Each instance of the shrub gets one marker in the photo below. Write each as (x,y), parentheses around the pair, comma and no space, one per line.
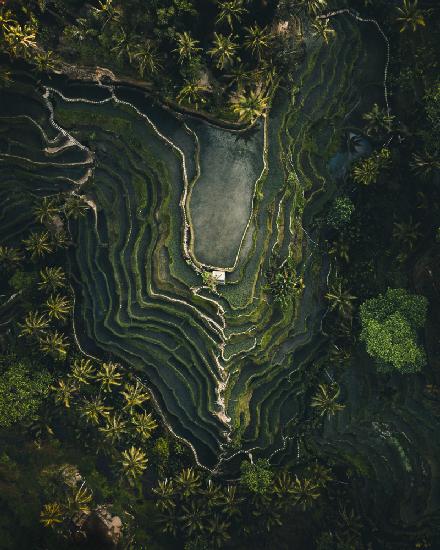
(389,329)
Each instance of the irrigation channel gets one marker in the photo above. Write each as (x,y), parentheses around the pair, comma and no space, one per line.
(229,370)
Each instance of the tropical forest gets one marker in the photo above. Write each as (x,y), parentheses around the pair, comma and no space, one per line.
(220,274)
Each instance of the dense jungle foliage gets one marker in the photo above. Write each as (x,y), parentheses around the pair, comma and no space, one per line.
(85,459)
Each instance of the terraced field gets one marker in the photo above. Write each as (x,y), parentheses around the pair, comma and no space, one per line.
(230,371)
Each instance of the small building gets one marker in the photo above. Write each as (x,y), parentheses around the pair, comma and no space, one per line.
(219,276)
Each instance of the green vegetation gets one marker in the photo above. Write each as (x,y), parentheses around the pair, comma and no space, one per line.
(389,328)
(144,405)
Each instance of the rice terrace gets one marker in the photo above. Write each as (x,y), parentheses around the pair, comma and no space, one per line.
(219,247)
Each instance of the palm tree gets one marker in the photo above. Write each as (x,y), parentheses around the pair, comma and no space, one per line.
(407,233)
(82,371)
(51,278)
(314,6)
(44,61)
(410,16)
(257,40)
(38,244)
(304,492)
(123,44)
(46,210)
(145,56)
(114,428)
(133,463)
(165,492)
(218,531)
(187,482)
(20,39)
(51,514)
(230,501)
(109,376)
(192,518)
(34,323)
(426,163)
(239,75)
(64,392)
(169,521)
(320,474)
(10,256)
(60,239)
(55,344)
(229,11)
(144,424)
(325,398)
(212,494)
(191,93)
(283,488)
(341,300)
(134,395)
(322,29)
(58,307)
(79,500)
(378,121)
(107,11)
(186,46)
(250,106)
(224,50)
(94,410)
(75,206)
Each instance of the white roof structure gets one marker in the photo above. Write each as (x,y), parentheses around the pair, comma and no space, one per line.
(219,276)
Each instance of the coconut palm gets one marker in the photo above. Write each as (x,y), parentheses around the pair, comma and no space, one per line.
(109,376)
(304,492)
(165,492)
(46,210)
(212,494)
(223,50)
(218,531)
(144,424)
(193,518)
(51,514)
(133,463)
(94,410)
(250,106)
(79,500)
(134,395)
(314,6)
(58,306)
(407,233)
(341,300)
(322,29)
(44,61)
(60,239)
(107,11)
(410,16)
(230,501)
(146,57)
(230,11)
(34,323)
(425,164)
(186,46)
(38,244)
(378,121)
(51,278)
(367,171)
(320,474)
(123,44)
(187,482)
(239,75)
(191,93)
(282,488)
(75,206)
(169,521)
(10,256)
(55,344)
(64,392)
(325,400)
(257,40)
(114,428)
(82,371)
(20,39)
